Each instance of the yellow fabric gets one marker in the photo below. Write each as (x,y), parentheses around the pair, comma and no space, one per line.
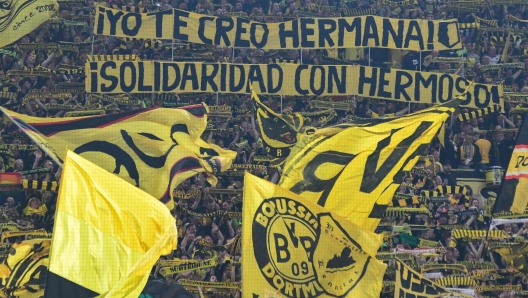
(40,211)
(108,234)
(334,163)
(484,148)
(410,283)
(353,54)
(141,146)
(307,248)
(27,275)
(375,115)
(369,31)
(518,169)
(305,80)
(516,256)
(16,19)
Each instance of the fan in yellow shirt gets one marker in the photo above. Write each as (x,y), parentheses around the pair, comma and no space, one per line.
(35,206)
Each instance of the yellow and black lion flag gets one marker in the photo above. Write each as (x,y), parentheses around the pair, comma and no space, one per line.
(279,132)
(296,248)
(411,284)
(107,236)
(153,149)
(354,169)
(20,17)
(513,194)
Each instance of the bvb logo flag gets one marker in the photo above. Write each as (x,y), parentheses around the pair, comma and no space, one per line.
(514,191)
(20,17)
(354,169)
(279,132)
(153,149)
(295,248)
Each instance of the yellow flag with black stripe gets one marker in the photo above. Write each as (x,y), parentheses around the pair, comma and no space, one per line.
(355,169)
(107,235)
(20,17)
(154,149)
(296,248)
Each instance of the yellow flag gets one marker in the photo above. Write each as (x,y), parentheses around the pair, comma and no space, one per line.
(279,132)
(296,248)
(410,283)
(23,271)
(154,149)
(107,235)
(20,17)
(516,256)
(355,169)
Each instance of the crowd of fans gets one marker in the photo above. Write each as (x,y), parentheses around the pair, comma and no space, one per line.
(475,145)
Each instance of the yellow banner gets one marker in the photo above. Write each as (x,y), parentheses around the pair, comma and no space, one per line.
(274,79)
(306,33)
(19,18)
(183,267)
(297,248)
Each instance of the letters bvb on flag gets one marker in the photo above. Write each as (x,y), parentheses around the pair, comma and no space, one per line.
(107,236)
(20,17)
(355,169)
(154,149)
(513,195)
(410,283)
(297,248)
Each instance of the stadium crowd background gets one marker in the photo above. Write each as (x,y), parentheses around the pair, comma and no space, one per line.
(475,145)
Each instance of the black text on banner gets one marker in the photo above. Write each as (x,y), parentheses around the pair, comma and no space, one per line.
(307,33)
(275,79)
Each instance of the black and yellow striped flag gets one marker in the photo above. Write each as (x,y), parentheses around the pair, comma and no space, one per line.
(40,185)
(479,113)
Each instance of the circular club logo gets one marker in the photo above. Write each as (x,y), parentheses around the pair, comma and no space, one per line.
(285,242)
